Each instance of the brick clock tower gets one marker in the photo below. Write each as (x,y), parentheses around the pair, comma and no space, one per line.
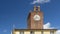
(35,24)
(35,19)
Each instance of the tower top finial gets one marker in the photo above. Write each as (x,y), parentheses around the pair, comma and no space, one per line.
(36,8)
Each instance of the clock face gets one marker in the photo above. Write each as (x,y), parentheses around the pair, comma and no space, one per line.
(36,17)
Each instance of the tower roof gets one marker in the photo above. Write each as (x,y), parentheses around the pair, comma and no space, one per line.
(36,8)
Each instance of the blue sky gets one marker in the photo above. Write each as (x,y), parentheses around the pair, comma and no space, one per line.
(15,12)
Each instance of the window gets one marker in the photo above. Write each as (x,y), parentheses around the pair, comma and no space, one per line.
(51,32)
(22,32)
(31,32)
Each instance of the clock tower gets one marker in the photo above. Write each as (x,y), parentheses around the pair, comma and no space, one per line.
(35,19)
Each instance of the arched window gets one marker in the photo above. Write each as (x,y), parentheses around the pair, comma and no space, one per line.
(22,32)
(51,32)
(32,32)
(41,32)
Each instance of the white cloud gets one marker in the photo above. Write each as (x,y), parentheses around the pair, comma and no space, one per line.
(48,26)
(40,1)
(11,32)
(58,32)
